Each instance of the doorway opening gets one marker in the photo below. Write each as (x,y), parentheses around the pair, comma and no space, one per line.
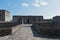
(28,21)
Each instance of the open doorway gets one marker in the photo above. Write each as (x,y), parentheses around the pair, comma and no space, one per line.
(28,21)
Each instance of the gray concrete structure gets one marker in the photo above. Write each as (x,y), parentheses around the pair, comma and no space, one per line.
(4,15)
(56,19)
(28,19)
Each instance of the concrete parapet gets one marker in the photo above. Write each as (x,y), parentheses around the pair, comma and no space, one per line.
(9,31)
(5,31)
(8,24)
(7,28)
(15,28)
(47,28)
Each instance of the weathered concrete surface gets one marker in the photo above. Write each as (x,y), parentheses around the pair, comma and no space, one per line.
(9,31)
(25,33)
(16,28)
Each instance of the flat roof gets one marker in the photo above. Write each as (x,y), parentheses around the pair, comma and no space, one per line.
(4,10)
(27,15)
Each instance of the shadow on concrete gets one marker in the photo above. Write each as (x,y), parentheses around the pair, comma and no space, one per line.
(5,32)
(37,34)
(2,35)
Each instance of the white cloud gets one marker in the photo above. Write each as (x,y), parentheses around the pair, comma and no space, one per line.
(43,3)
(25,4)
(39,3)
(36,5)
(36,1)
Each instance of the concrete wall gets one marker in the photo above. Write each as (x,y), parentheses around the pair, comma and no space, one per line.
(5,31)
(7,28)
(56,19)
(48,28)
(4,15)
(8,24)
(9,31)
(28,19)
(7,16)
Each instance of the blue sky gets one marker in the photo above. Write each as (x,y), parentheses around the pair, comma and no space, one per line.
(46,8)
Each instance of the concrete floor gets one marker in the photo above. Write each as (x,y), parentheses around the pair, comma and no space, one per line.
(25,33)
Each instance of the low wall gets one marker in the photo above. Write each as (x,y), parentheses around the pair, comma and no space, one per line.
(15,28)
(8,24)
(9,31)
(5,31)
(7,28)
(47,28)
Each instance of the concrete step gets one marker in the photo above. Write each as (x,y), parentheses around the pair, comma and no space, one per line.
(26,25)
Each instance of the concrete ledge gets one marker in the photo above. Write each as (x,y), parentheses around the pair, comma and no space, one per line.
(47,29)
(9,31)
(5,31)
(15,28)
